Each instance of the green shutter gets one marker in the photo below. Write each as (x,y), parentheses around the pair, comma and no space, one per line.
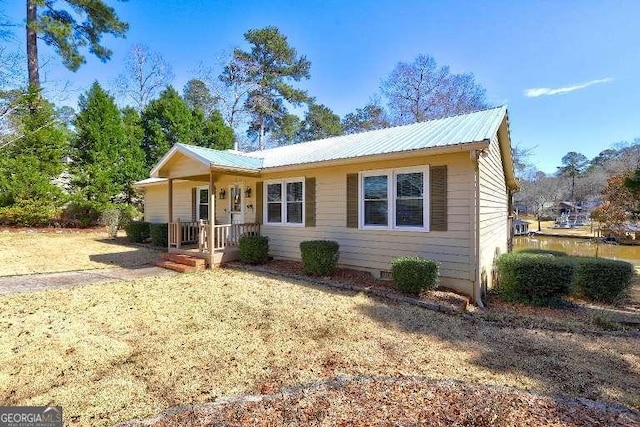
(438,198)
(352,200)
(310,202)
(259,197)
(194,202)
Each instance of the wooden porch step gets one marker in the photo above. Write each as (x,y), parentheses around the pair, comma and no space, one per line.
(181,268)
(198,263)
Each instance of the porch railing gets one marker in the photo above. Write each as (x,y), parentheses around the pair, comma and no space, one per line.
(224,235)
(228,235)
(186,233)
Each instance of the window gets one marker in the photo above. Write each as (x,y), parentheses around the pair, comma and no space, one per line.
(394,199)
(285,202)
(203,204)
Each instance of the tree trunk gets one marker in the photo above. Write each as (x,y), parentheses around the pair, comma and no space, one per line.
(539,228)
(32,45)
(261,135)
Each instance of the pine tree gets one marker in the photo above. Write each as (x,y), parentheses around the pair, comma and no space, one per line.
(58,27)
(269,67)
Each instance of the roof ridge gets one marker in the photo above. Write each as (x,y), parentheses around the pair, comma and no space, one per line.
(499,107)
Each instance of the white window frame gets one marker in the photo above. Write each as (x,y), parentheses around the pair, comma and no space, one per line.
(392,196)
(283,202)
(198,190)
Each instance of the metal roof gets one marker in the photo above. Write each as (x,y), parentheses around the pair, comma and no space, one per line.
(465,128)
(224,158)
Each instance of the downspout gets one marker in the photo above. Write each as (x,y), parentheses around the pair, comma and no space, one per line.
(477,284)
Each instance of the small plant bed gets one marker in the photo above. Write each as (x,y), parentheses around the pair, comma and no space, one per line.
(406,401)
(573,316)
(440,299)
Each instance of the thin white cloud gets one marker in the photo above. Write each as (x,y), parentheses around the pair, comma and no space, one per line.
(546,91)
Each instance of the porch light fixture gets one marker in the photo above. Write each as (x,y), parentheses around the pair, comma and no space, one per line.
(247,192)
(223,194)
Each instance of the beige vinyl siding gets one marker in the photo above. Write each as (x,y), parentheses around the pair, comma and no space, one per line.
(493,211)
(373,250)
(156,201)
(182,166)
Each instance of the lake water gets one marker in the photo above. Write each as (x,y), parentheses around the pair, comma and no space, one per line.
(583,247)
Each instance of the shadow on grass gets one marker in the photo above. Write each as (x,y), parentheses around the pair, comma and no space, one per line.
(140,256)
(562,363)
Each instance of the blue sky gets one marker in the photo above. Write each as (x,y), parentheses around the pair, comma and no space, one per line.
(581,58)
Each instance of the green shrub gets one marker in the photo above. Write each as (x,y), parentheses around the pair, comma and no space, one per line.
(137,231)
(29,214)
(159,234)
(319,257)
(414,274)
(253,249)
(110,218)
(601,279)
(532,278)
(542,252)
(128,213)
(82,213)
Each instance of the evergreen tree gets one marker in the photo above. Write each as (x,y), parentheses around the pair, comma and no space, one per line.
(288,130)
(197,96)
(364,119)
(268,67)
(31,162)
(168,120)
(105,160)
(59,27)
(214,131)
(320,122)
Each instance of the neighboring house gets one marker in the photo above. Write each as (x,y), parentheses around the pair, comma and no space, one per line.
(520,227)
(439,189)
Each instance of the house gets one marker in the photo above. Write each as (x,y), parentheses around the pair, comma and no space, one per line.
(520,227)
(439,189)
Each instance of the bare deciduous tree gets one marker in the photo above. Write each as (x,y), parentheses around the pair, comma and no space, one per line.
(542,192)
(146,74)
(230,89)
(422,90)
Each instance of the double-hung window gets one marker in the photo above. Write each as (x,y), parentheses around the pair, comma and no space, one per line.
(284,201)
(202,203)
(394,199)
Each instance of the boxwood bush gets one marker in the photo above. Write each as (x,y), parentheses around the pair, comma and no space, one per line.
(534,278)
(542,252)
(159,234)
(137,231)
(601,279)
(414,274)
(319,257)
(253,249)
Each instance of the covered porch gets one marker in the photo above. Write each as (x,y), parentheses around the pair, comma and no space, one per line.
(210,205)
(216,244)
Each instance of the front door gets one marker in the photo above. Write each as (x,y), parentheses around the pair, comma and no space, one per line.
(236,199)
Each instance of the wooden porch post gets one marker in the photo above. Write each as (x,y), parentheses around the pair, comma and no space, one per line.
(170,209)
(212,217)
(170,200)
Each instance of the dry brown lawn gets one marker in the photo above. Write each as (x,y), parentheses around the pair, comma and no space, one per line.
(25,252)
(124,350)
